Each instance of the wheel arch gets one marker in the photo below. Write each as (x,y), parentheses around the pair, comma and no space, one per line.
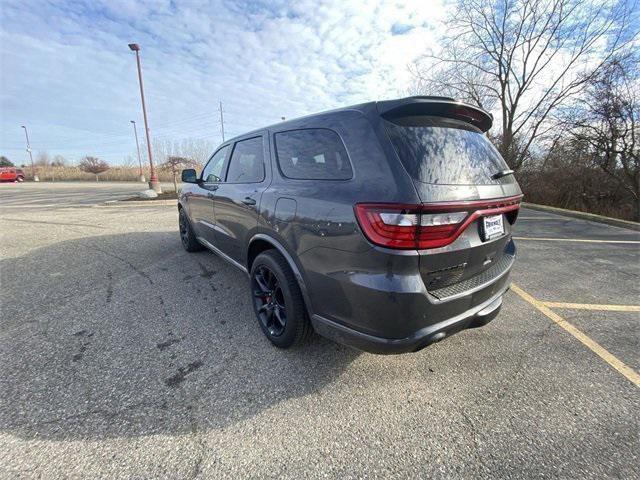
(262,242)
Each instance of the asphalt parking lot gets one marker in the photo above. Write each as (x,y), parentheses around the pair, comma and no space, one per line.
(124,356)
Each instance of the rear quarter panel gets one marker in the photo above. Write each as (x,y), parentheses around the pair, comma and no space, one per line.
(322,233)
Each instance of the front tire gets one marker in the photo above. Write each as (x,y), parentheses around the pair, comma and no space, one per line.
(277,301)
(187,236)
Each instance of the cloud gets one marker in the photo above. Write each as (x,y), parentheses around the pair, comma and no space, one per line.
(401,28)
(67,72)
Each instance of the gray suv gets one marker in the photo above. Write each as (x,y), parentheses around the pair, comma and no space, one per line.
(385,226)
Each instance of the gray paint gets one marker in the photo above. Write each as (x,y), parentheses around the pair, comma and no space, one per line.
(345,279)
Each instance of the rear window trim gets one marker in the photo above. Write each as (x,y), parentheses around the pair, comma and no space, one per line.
(275,150)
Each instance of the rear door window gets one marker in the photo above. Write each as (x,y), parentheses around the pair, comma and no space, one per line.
(443,151)
(247,162)
(312,154)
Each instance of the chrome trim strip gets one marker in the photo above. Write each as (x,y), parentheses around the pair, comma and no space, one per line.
(222,255)
(207,224)
(217,228)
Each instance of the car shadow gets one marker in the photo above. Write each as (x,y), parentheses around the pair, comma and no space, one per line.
(128,335)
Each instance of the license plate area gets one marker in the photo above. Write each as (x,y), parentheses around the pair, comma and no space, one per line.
(492,227)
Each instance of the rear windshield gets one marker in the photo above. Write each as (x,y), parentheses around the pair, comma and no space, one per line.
(443,151)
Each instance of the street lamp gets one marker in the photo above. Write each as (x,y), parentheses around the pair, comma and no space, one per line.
(153,181)
(33,168)
(135,132)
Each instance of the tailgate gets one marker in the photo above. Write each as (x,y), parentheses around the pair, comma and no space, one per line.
(482,251)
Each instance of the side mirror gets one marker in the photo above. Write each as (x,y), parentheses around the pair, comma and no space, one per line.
(189,175)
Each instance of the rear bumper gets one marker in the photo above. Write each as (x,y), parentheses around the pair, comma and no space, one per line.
(475,317)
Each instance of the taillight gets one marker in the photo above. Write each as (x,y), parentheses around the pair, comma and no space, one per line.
(388,226)
(426,225)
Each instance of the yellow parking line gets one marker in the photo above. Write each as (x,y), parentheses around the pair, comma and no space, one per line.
(583,240)
(592,345)
(591,306)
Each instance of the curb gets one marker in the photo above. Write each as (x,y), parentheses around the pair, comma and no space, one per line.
(616,222)
(137,203)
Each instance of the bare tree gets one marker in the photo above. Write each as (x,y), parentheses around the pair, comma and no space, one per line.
(58,161)
(42,160)
(175,164)
(198,150)
(93,165)
(128,162)
(525,58)
(608,121)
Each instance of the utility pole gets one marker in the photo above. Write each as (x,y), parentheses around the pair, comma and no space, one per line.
(153,181)
(33,168)
(135,132)
(221,121)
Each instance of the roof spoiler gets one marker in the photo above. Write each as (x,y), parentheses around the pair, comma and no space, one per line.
(436,106)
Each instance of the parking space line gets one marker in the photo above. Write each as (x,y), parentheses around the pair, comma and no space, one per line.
(583,240)
(545,218)
(591,306)
(592,345)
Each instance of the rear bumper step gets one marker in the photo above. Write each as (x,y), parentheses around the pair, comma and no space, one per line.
(476,282)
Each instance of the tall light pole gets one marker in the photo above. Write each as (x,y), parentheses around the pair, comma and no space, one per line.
(221,121)
(135,132)
(33,168)
(153,181)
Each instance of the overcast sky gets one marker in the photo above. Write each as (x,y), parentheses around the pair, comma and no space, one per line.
(68,74)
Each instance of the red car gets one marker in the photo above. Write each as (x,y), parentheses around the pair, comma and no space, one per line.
(11,174)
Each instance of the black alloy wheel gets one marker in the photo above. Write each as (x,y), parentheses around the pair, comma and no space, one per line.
(187,237)
(269,300)
(277,300)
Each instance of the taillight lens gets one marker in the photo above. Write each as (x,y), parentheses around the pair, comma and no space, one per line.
(427,225)
(392,226)
(435,219)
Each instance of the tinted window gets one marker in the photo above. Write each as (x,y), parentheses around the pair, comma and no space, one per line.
(247,162)
(443,151)
(316,154)
(213,171)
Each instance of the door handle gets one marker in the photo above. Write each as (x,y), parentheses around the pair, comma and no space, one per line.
(249,201)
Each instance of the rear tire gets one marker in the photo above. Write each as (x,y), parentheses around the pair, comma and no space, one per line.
(188,238)
(277,301)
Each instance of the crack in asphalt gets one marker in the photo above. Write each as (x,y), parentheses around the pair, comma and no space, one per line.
(76,295)
(109,414)
(474,436)
(522,357)
(138,270)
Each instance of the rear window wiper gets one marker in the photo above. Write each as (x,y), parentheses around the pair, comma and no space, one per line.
(502,173)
